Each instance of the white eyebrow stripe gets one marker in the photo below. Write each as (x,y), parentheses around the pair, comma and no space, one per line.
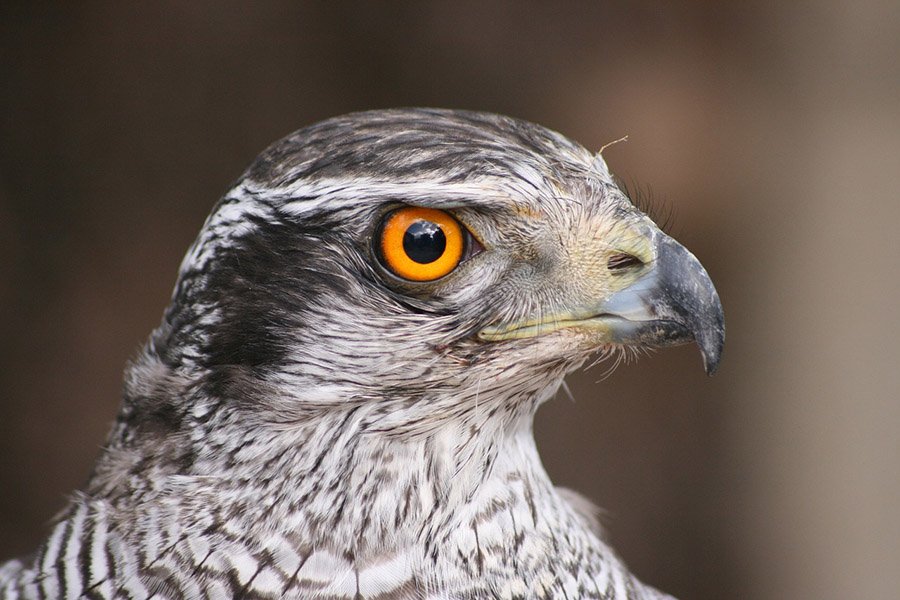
(307,196)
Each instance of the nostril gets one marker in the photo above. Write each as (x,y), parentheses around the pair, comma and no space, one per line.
(622,261)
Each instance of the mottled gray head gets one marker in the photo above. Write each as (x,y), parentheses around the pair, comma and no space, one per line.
(286,305)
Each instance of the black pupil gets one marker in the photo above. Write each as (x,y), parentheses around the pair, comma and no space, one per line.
(424,242)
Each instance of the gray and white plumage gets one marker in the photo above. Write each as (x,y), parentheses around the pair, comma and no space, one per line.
(304,424)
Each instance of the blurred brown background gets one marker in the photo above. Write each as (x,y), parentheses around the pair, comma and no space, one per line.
(772,130)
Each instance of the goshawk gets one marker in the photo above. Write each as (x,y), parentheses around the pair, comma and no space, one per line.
(339,400)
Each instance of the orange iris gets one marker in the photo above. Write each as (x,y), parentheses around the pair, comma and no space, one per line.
(421,244)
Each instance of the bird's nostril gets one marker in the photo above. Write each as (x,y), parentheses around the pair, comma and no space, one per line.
(622,261)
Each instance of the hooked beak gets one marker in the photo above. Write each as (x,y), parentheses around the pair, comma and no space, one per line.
(673,302)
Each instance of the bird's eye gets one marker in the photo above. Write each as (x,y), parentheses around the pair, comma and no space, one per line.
(420,244)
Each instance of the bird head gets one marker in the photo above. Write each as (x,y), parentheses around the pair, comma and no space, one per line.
(418,262)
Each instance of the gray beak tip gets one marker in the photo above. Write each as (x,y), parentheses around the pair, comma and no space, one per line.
(712,356)
(711,340)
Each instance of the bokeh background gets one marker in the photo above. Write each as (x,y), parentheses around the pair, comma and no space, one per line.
(770,130)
